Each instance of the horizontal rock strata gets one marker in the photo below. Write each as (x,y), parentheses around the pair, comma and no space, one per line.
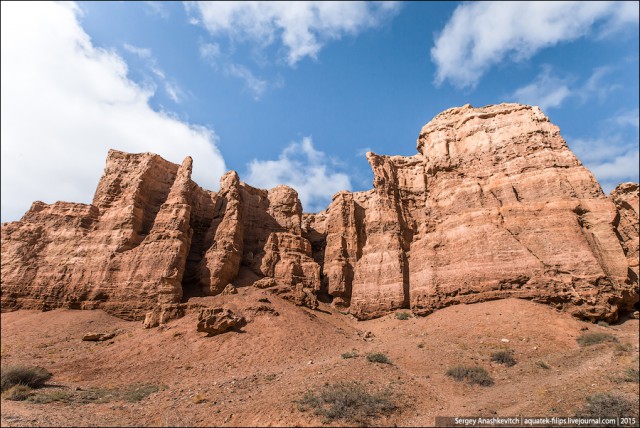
(493,205)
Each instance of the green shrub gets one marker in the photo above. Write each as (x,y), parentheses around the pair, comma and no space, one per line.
(473,375)
(378,358)
(403,316)
(348,402)
(34,377)
(348,355)
(17,392)
(504,357)
(609,406)
(593,338)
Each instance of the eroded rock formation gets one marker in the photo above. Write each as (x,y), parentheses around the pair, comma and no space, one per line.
(494,205)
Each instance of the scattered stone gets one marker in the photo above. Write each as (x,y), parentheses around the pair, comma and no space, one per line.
(218,320)
(230,289)
(265,283)
(98,337)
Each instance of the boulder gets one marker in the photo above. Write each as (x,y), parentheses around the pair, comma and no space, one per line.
(218,320)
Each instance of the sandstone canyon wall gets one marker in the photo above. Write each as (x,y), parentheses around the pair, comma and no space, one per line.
(493,205)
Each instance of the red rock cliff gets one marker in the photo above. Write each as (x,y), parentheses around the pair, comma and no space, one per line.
(494,205)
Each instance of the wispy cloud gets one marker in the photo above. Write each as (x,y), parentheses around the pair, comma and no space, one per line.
(173,90)
(156,8)
(548,90)
(144,53)
(303,28)
(65,103)
(628,118)
(252,83)
(311,172)
(480,35)
(612,157)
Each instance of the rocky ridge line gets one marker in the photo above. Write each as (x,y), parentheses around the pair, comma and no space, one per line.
(493,205)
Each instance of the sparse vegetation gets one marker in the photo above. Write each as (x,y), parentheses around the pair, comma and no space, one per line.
(631,374)
(421,345)
(131,394)
(378,358)
(593,338)
(473,375)
(623,348)
(348,402)
(270,377)
(603,324)
(31,376)
(17,392)
(347,355)
(139,392)
(403,316)
(543,365)
(57,395)
(504,357)
(609,406)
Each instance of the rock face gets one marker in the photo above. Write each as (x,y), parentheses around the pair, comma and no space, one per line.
(494,205)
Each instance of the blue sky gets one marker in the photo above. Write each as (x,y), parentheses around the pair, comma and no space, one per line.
(296,93)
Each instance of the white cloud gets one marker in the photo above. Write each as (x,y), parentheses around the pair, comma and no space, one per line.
(173,90)
(210,52)
(252,83)
(304,168)
(156,8)
(620,169)
(65,103)
(612,159)
(549,91)
(628,118)
(480,35)
(546,91)
(144,53)
(303,27)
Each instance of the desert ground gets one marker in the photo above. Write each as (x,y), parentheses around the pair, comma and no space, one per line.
(256,376)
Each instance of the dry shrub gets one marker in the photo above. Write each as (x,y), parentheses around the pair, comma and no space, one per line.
(347,402)
(31,376)
(473,375)
(593,338)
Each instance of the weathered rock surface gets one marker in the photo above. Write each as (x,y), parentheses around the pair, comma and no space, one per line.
(493,205)
(625,196)
(218,320)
